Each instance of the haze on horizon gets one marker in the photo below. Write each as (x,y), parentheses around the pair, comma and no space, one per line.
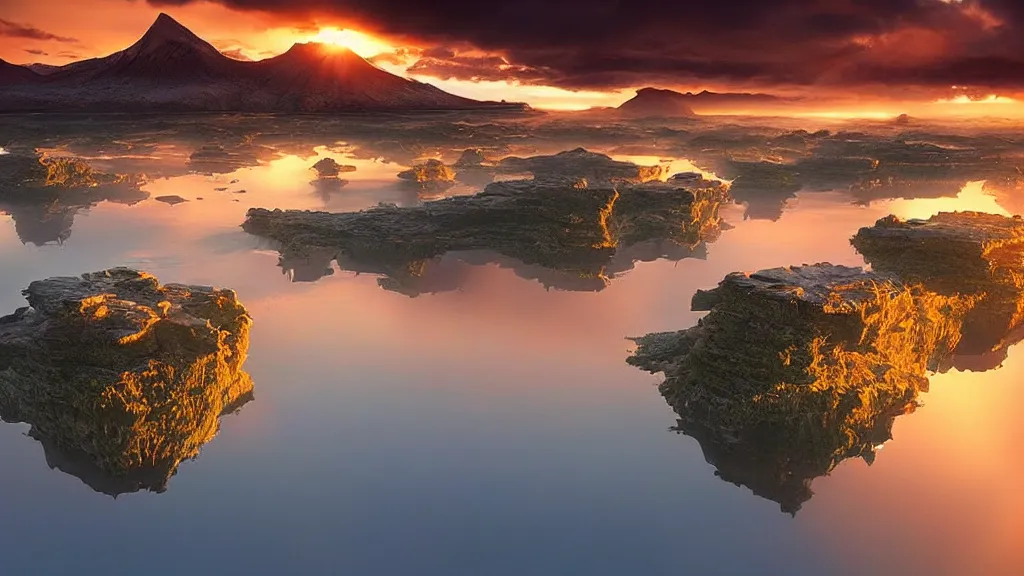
(875,58)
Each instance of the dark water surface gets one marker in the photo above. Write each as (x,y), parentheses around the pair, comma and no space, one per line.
(493,428)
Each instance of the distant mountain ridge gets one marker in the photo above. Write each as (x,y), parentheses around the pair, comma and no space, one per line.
(660,102)
(12,73)
(656,102)
(172,69)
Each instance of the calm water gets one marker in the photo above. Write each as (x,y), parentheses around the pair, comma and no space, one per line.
(492,428)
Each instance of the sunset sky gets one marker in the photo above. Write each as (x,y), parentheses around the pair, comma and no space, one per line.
(581,53)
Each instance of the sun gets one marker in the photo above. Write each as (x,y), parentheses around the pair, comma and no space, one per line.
(362,44)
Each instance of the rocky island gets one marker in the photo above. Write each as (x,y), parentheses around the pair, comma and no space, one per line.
(570,227)
(794,370)
(122,378)
(580,163)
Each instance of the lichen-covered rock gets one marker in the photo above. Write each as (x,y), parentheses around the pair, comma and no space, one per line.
(547,223)
(796,369)
(121,378)
(581,163)
(432,174)
(968,253)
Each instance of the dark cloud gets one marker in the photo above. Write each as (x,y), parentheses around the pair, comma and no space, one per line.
(614,43)
(15,30)
(70,55)
(477,68)
(440,52)
(35,52)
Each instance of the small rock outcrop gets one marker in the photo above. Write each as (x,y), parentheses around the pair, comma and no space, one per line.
(797,369)
(43,193)
(547,223)
(432,176)
(471,158)
(581,163)
(962,253)
(329,168)
(121,378)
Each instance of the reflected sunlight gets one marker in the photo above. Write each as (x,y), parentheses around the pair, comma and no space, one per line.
(972,197)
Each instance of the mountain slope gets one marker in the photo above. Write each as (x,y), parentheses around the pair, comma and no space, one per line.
(168,52)
(14,74)
(172,69)
(318,77)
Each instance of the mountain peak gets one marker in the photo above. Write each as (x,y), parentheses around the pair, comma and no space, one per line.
(165,28)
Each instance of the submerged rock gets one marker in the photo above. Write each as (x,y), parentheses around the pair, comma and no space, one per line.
(550,224)
(329,168)
(172,199)
(966,253)
(797,369)
(581,163)
(121,378)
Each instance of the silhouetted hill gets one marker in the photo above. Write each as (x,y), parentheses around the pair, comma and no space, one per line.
(14,74)
(650,102)
(659,102)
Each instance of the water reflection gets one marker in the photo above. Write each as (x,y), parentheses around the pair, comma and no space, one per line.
(121,378)
(568,458)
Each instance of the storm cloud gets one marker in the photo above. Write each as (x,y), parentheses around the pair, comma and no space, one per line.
(618,43)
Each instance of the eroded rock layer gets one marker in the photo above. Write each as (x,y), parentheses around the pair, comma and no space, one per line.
(121,378)
(967,253)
